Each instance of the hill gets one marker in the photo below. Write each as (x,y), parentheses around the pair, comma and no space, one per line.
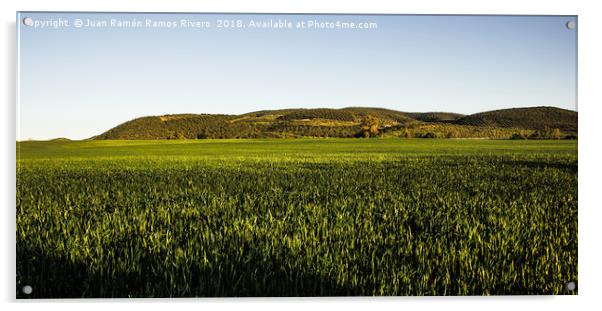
(535,118)
(436,116)
(61,139)
(345,122)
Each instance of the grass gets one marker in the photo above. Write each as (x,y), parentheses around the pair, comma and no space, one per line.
(299,217)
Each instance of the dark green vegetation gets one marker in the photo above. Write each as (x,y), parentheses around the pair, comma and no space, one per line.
(348,122)
(296,217)
(537,118)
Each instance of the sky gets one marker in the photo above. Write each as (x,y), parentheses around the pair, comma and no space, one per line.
(77,82)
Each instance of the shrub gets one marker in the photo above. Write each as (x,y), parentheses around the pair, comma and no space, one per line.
(406,134)
(518,136)
(201,136)
(546,133)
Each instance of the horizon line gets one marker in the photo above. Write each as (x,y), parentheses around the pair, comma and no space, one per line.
(240,114)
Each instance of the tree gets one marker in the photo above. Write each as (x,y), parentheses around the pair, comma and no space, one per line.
(370,125)
(452,133)
(201,135)
(180,135)
(556,134)
(547,133)
(518,136)
(406,133)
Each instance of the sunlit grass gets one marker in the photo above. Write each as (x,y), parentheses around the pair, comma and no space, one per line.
(298,217)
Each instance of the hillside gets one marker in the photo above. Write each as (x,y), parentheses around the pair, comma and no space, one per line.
(436,116)
(346,122)
(535,118)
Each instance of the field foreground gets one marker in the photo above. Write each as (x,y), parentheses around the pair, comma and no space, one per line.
(296,217)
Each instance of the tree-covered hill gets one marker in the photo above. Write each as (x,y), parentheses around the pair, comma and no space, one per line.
(436,116)
(347,122)
(536,118)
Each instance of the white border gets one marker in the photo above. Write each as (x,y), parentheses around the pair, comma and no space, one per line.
(590,114)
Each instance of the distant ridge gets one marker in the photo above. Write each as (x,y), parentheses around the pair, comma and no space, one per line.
(61,139)
(345,122)
(535,118)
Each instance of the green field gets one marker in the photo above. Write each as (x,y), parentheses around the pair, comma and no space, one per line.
(296,217)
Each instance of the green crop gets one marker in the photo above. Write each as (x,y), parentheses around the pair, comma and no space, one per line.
(296,217)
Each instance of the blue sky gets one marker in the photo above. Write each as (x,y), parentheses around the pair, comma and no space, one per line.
(80,82)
